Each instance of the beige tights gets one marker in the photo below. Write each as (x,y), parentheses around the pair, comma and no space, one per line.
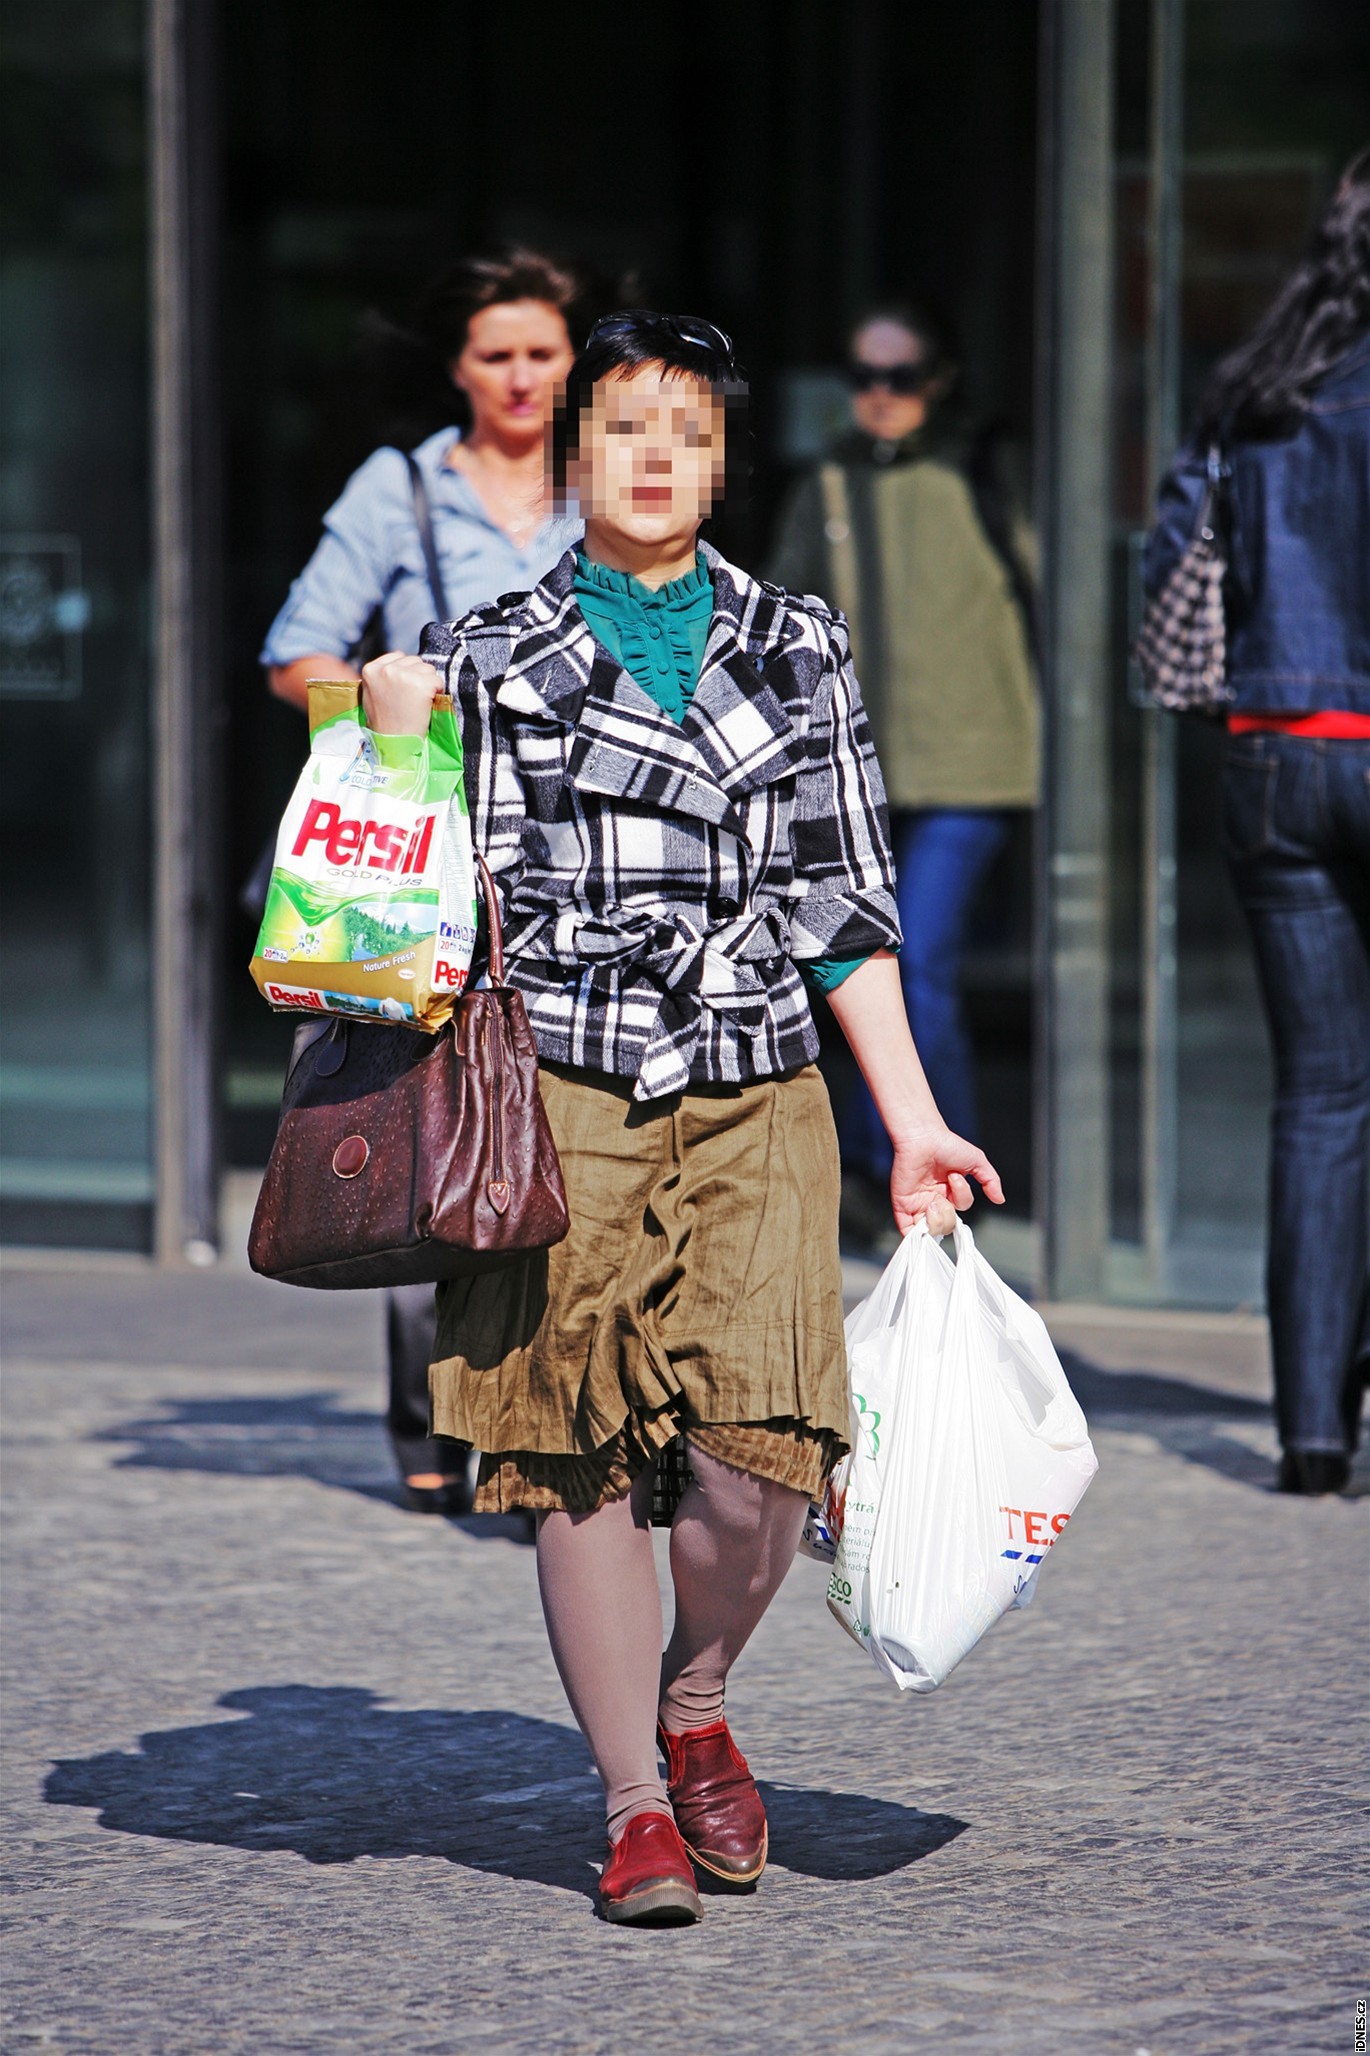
(732,1541)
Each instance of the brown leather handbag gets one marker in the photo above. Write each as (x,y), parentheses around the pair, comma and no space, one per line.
(402,1157)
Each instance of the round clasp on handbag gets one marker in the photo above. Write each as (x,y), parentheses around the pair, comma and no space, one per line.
(351,1155)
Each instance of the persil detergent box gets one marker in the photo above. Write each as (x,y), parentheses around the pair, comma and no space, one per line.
(371,910)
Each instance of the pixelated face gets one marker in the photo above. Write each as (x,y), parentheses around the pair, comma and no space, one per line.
(651,455)
(514,364)
(879,410)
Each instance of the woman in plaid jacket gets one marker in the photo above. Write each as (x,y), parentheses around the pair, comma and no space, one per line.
(671,775)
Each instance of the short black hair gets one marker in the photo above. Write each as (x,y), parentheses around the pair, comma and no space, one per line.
(683,343)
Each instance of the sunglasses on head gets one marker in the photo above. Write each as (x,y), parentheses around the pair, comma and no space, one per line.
(896,378)
(682,328)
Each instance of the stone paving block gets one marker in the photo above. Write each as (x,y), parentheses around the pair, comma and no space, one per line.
(290,1770)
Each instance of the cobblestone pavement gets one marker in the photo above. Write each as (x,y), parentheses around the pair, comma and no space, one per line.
(290,1770)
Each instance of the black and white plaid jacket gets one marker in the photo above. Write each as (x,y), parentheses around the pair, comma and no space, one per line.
(659,880)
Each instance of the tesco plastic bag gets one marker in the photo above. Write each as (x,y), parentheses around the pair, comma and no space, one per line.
(969,1455)
(371,909)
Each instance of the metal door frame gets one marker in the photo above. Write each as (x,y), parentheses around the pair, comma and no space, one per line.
(186,688)
(1159,939)
(1075,347)
(1073,452)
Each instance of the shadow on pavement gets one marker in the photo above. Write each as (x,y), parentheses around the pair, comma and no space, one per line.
(1150,1392)
(298,1435)
(1186,1419)
(333,1774)
(844,1836)
(316,1435)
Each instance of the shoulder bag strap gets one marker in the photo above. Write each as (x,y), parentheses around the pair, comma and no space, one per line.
(837,527)
(424,519)
(1215,515)
(490,894)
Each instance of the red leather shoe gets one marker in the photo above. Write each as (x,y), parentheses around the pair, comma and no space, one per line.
(648,1878)
(717,1807)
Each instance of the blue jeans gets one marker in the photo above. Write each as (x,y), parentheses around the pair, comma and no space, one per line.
(1296,824)
(941,855)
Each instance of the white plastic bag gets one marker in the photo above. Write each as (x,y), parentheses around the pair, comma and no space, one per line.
(969,1455)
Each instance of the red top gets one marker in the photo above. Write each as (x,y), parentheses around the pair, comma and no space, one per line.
(1331,723)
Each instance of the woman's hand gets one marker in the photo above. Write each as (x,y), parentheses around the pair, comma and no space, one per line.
(932,1170)
(397,694)
(931,1165)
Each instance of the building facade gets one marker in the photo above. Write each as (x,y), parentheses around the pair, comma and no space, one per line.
(1103,193)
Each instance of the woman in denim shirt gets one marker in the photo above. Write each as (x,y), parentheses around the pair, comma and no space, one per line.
(502,328)
(1290,408)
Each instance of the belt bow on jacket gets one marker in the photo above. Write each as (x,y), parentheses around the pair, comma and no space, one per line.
(724,969)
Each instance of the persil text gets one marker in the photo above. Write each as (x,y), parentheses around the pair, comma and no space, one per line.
(366,845)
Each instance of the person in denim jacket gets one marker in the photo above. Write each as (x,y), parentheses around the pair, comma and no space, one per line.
(1290,410)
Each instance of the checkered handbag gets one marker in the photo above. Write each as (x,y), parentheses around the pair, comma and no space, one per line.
(673,1475)
(1181,648)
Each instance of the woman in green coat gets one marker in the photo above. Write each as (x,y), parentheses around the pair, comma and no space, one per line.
(896,530)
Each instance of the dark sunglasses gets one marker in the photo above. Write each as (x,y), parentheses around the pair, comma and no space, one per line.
(896,378)
(684,328)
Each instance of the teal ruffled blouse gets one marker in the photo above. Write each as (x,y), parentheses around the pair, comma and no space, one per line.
(658,636)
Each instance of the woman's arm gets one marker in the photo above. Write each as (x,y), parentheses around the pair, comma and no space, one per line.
(931,1165)
(1177,516)
(343,583)
(845,908)
(842,900)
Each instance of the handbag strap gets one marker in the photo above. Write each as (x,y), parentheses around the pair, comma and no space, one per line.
(423,518)
(832,483)
(492,919)
(1214,511)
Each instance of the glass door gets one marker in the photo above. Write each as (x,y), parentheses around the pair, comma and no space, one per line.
(75,1036)
(1232,126)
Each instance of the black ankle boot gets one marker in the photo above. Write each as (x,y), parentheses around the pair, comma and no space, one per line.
(1313,1472)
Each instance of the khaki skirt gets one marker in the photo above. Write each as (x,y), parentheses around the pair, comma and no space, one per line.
(699,1291)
